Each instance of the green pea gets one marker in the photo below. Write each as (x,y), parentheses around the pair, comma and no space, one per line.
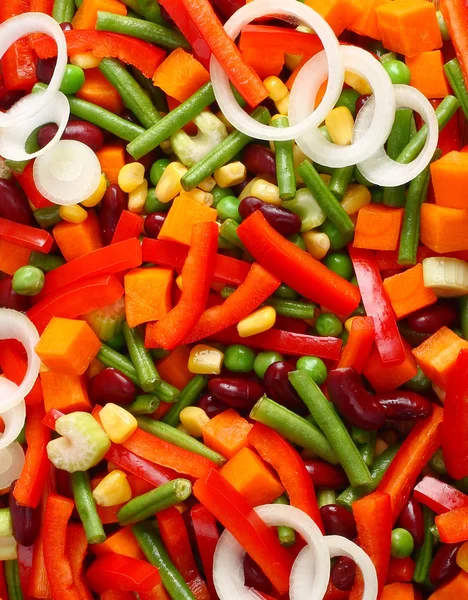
(285,292)
(348,98)
(228,208)
(297,240)
(328,324)
(152,204)
(315,367)
(344,335)
(239,358)
(340,264)
(360,310)
(337,239)
(419,383)
(437,462)
(220,193)
(158,169)
(263,360)
(402,543)
(72,80)
(28,281)
(398,71)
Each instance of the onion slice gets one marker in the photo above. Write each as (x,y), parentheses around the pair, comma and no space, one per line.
(11,464)
(14,418)
(16,326)
(68,173)
(222,90)
(381,170)
(302,102)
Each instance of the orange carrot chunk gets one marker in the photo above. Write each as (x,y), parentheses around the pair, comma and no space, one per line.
(407,293)
(383,378)
(450,179)
(226,433)
(174,367)
(427,74)
(121,542)
(147,294)
(337,13)
(456,588)
(66,393)
(184,213)
(86,16)
(12,257)
(444,229)
(366,22)
(112,159)
(398,591)
(78,239)
(180,75)
(97,90)
(378,227)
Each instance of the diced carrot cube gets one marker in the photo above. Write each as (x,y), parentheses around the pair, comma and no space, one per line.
(147,294)
(184,213)
(180,75)
(337,13)
(378,227)
(227,433)
(12,257)
(366,23)
(66,393)
(450,180)
(174,367)
(427,74)
(112,159)
(407,292)
(384,378)
(444,229)
(78,239)
(98,90)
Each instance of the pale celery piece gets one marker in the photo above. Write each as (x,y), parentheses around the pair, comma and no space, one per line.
(190,150)
(307,208)
(107,322)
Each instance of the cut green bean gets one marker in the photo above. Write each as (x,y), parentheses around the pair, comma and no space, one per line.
(141,359)
(361,436)
(132,4)
(6,529)
(340,180)
(167,393)
(367,449)
(326,497)
(86,507)
(285,173)
(45,262)
(398,139)
(166,432)
(151,10)
(111,358)
(222,154)
(12,580)
(332,426)
(454,74)
(47,217)
(464,316)
(228,231)
(158,97)
(286,535)
(145,404)
(21,439)
(188,396)
(424,554)
(63,11)
(295,309)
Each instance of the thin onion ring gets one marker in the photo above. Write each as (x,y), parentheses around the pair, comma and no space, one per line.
(11,464)
(14,418)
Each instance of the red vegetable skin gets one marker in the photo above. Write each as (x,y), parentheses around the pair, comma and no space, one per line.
(136,465)
(28,185)
(116,571)
(3,588)
(77,547)
(359,344)
(26,236)
(130,225)
(400,570)
(455,13)
(266,38)
(439,496)
(14,366)
(207,536)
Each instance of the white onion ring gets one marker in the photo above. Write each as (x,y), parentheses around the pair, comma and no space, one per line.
(222,90)
(14,418)
(381,170)
(302,101)
(11,464)
(16,326)
(13,30)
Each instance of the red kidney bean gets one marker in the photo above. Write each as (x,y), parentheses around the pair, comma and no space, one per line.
(343,573)
(404,406)
(111,207)
(25,521)
(81,131)
(353,401)
(154,223)
(110,385)
(431,318)
(283,220)
(361,101)
(14,205)
(411,518)
(45,69)
(259,160)
(211,405)
(228,7)
(236,392)
(338,521)
(255,577)
(65,26)
(10,299)
(444,564)
(239,187)
(278,387)
(324,475)
(8,97)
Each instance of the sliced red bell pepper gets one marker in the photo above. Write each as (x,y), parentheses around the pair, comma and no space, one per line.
(116,571)
(290,324)
(400,570)
(373,516)
(51,418)
(359,344)
(257,287)
(265,65)
(174,535)
(296,268)
(14,365)
(439,496)
(25,556)
(3,588)
(26,236)
(43,6)
(207,536)
(130,225)
(416,450)
(117,595)
(449,137)
(266,38)
(228,7)
(76,299)
(277,452)
(27,183)
(453,526)
(333,593)
(236,514)
(171,254)
(197,275)
(455,13)
(377,305)
(136,465)
(77,547)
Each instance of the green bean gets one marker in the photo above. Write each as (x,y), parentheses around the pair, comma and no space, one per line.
(285,173)
(325,199)
(111,358)
(6,529)
(424,554)
(144,506)
(45,262)
(47,217)
(340,181)
(325,497)
(145,404)
(131,92)
(332,426)
(359,177)
(166,432)
(63,11)
(151,11)
(361,436)
(228,231)
(464,316)
(399,137)
(454,74)
(223,153)
(157,555)
(366,450)
(293,427)
(132,4)
(157,96)
(86,507)
(158,353)
(286,535)
(188,396)
(143,30)
(21,439)
(141,359)
(12,579)
(295,309)
(167,393)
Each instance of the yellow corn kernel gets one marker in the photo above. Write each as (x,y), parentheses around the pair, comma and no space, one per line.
(73,214)
(179,282)
(380,446)
(199,196)
(260,320)
(248,188)
(298,158)
(358,83)
(207,184)
(113,489)
(169,185)
(266,191)
(166,146)
(355,197)
(230,174)
(276,88)
(131,176)
(282,106)
(9,545)
(389,436)
(462,557)
(292,60)
(137,198)
(349,323)
(193,419)
(97,195)
(95,367)
(317,243)
(205,360)
(340,125)
(117,422)
(222,118)
(85,60)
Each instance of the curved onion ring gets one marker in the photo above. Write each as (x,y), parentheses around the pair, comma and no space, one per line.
(222,90)
(302,101)
(11,464)
(16,326)
(13,30)
(14,418)
(379,169)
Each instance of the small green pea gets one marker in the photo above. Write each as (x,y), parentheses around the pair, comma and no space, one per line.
(402,543)
(158,169)
(340,264)
(315,367)
(348,98)
(398,71)
(239,358)
(72,80)
(344,335)
(285,292)
(228,208)
(152,204)
(28,281)
(297,240)
(437,462)
(360,311)
(328,324)
(337,239)
(263,360)
(220,193)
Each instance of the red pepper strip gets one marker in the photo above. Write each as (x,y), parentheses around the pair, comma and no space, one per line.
(116,571)
(57,514)
(400,570)
(265,38)
(157,593)
(334,593)
(31,483)
(176,540)
(285,342)
(453,526)
(416,450)
(256,288)
(277,452)
(449,137)
(197,275)
(243,77)
(14,365)
(77,547)
(43,6)
(26,236)
(103,261)
(144,469)
(51,418)
(296,268)
(377,305)
(439,496)
(117,595)
(291,324)
(171,254)
(132,51)
(76,299)
(130,225)
(455,13)
(207,536)
(228,7)
(373,516)
(26,181)
(359,344)
(236,514)
(25,556)
(3,588)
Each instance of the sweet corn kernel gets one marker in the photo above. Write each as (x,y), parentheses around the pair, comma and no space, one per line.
(355,197)
(137,198)
(222,118)
(340,125)
(205,360)
(266,191)
(317,243)
(131,176)
(462,557)
(180,427)
(260,320)
(292,60)
(113,489)
(179,282)
(248,188)
(169,185)
(73,214)
(97,195)
(230,174)
(298,158)
(85,60)
(349,323)
(117,422)
(276,88)
(358,83)
(282,106)
(166,146)
(199,196)
(193,419)
(380,446)
(207,184)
